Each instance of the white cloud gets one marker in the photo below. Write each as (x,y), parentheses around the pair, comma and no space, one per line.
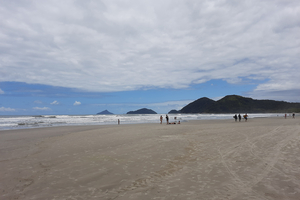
(77,103)
(3,109)
(1,91)
(43,108)
(54,103)
(117,45)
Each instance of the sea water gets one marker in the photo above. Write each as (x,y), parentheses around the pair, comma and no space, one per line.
(22,122)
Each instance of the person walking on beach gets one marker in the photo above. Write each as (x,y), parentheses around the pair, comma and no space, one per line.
(240,117)
(293,115)
(167,118)
(285,116)
(118,121)
(246,117)
(161,119)
(235,117)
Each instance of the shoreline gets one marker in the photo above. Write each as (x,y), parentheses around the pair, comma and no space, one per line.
(198,159)
(24,127)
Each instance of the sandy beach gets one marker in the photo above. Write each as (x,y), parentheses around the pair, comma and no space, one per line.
(205,159)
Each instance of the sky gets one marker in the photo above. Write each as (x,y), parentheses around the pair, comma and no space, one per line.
(83,57)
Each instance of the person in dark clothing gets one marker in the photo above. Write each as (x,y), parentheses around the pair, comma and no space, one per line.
(167,118)
(235,117)
(240,117)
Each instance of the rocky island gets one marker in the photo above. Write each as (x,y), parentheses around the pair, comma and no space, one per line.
(105,112)
(142,111)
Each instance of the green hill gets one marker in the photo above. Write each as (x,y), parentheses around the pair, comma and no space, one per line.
(198,106)
(239,104)
(105,112)
(142,111)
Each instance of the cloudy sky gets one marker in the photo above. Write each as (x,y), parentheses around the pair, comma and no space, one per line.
(82,57)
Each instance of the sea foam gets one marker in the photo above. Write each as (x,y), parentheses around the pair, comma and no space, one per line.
(21,122)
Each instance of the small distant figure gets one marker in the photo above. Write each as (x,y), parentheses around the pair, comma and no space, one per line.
(293,115)
(235,117)
(178,122)
(240,117)
(285,115)
(118,121)
(246,117)
(161,119)
(167,118)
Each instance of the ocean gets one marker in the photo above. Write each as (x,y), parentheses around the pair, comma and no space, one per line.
(24,122)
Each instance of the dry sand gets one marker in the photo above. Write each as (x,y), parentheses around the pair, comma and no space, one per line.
(219,159)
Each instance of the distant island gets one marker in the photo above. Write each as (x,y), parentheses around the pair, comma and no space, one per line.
(105,112)
(238,104)
(142,111)
(174,112)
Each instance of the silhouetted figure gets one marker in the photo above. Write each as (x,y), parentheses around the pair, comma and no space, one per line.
(240,117)
(167,118)
(235,117)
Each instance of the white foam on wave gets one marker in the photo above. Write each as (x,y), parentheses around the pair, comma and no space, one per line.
(12,122)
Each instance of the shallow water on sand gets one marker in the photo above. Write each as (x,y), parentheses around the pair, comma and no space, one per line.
(23,122)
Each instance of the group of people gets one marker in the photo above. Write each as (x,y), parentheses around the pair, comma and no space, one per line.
(286,115)
(167,119)
(245,116)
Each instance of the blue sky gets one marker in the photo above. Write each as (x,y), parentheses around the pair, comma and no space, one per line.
(76,57)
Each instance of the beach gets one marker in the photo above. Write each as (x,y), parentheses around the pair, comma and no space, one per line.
(199,159)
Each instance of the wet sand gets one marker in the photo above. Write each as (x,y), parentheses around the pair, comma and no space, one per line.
(209,159)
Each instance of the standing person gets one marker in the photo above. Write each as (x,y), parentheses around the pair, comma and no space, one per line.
(161,119)
(285,116)
(293,115)
(235,117)
(246,117)
(118,121)
(240,117)
(167,118)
